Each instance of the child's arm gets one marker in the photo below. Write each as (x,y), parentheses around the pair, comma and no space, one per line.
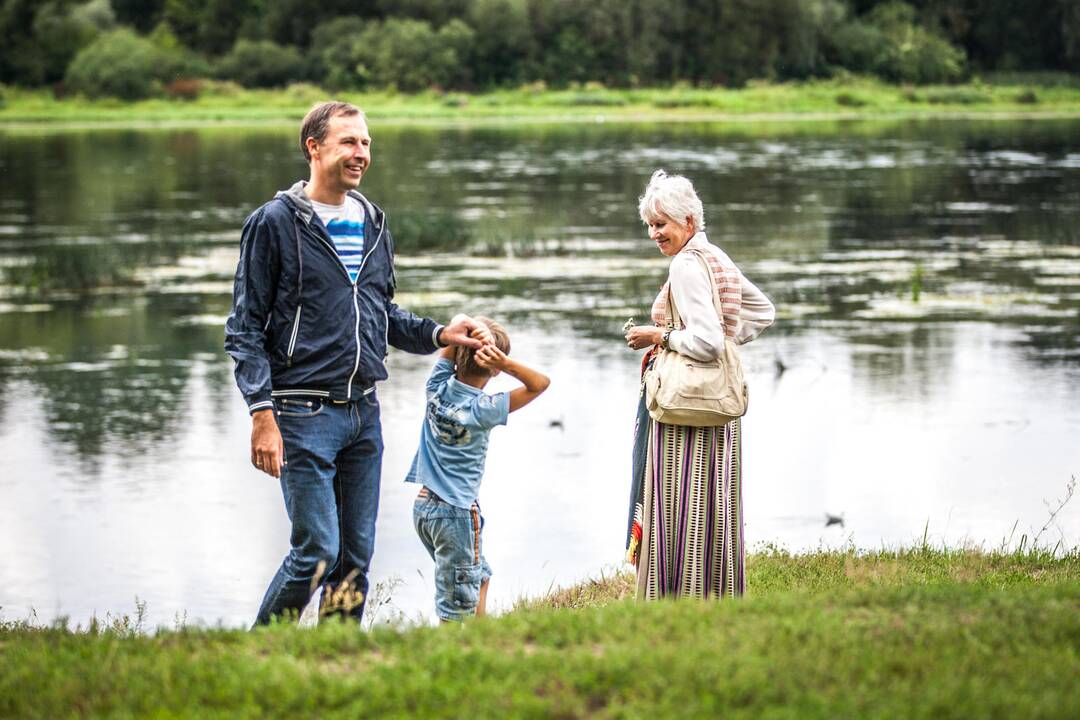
(533,382)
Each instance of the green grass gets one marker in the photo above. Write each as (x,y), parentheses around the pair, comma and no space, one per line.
(1013,96)
(915,634)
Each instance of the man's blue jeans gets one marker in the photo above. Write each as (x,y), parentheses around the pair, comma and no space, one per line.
(331,487)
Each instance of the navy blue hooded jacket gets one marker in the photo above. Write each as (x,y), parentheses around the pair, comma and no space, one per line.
(299,325)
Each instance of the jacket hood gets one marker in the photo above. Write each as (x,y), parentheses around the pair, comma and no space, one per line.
(296,196)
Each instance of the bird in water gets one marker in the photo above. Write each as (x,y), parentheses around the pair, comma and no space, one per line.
(779,364)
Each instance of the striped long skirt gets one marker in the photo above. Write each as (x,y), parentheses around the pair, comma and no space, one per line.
(691,512)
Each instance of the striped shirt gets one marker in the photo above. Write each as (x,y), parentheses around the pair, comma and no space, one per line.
(345,223)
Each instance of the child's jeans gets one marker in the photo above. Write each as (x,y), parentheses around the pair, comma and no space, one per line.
(453,537)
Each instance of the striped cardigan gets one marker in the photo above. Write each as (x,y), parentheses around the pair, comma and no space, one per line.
(745,309)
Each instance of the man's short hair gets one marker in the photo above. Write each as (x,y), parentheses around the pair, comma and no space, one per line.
(465,357)
(317,121)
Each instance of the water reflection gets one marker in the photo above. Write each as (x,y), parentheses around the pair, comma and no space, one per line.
(927,277)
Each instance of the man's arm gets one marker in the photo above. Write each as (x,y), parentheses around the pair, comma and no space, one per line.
(533,382)
(254,289)
(414,334)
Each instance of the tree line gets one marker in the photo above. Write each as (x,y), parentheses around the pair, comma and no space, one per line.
(138,48)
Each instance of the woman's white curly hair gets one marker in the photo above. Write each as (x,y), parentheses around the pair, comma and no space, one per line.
(674,196)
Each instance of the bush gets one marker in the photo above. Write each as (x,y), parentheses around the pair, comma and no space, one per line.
(261,64)
(889,44)
(956,96)
(118,64)
(402,53)
(333,57)
(920,57)
(61,31)
(410,55)
(306,93)
(846,99)
(682,101)
(183,89)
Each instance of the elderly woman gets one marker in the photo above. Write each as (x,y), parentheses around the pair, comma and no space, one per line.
(686,523)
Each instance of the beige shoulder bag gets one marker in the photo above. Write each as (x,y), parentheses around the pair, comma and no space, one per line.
(682,391)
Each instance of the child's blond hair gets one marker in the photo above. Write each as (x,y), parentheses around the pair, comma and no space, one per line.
(465,357)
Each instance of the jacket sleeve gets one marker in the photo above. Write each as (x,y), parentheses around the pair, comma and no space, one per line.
(409,332)
(404,330)
(254,289)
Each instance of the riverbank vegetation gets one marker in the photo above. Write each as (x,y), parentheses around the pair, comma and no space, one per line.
(838,98)
(915,633)
(138,49)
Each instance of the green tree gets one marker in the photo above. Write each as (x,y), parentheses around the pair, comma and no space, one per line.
(261,63)
(290,22)
(22,59)
(1070,30)
(409,55)
(435,12)
(222,21)
(1015,34)
(503,40)
(333,56)
(184,18)
(62,28)
(143,15)
(457,40)
(118,64)
(804,27)
(574,41)
(888,42)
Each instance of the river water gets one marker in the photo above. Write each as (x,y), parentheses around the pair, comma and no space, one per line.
(922,378)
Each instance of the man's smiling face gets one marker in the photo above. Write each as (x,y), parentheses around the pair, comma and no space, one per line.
(344,155)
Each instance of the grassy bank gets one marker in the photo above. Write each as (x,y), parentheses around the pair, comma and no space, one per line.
(852,98)
(914,634)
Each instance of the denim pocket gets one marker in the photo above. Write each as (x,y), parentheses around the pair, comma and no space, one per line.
(467,585)
(370,399)
(298,407)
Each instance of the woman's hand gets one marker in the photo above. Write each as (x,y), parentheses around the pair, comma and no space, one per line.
(643,336)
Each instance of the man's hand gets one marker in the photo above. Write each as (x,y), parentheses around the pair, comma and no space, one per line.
(458,332)
(482,333)
(643,336)
(267,449)
(490,357)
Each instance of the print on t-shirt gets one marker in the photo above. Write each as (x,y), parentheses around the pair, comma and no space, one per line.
(445,423)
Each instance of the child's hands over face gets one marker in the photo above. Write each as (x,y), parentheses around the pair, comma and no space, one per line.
(490,357)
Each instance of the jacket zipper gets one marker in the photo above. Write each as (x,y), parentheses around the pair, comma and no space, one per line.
(356,306)
(295,332)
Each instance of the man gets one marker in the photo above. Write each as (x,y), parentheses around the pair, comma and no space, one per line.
(311,319)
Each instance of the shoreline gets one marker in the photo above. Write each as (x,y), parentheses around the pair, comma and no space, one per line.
(288,121)
(795,103)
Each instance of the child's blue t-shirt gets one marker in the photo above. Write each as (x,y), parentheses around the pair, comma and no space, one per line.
(454,438)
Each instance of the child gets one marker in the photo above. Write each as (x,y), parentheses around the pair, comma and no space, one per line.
(450,463)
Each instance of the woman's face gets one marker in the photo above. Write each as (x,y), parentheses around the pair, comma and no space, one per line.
(669,235)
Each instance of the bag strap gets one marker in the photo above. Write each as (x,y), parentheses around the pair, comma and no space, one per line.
(672,312)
